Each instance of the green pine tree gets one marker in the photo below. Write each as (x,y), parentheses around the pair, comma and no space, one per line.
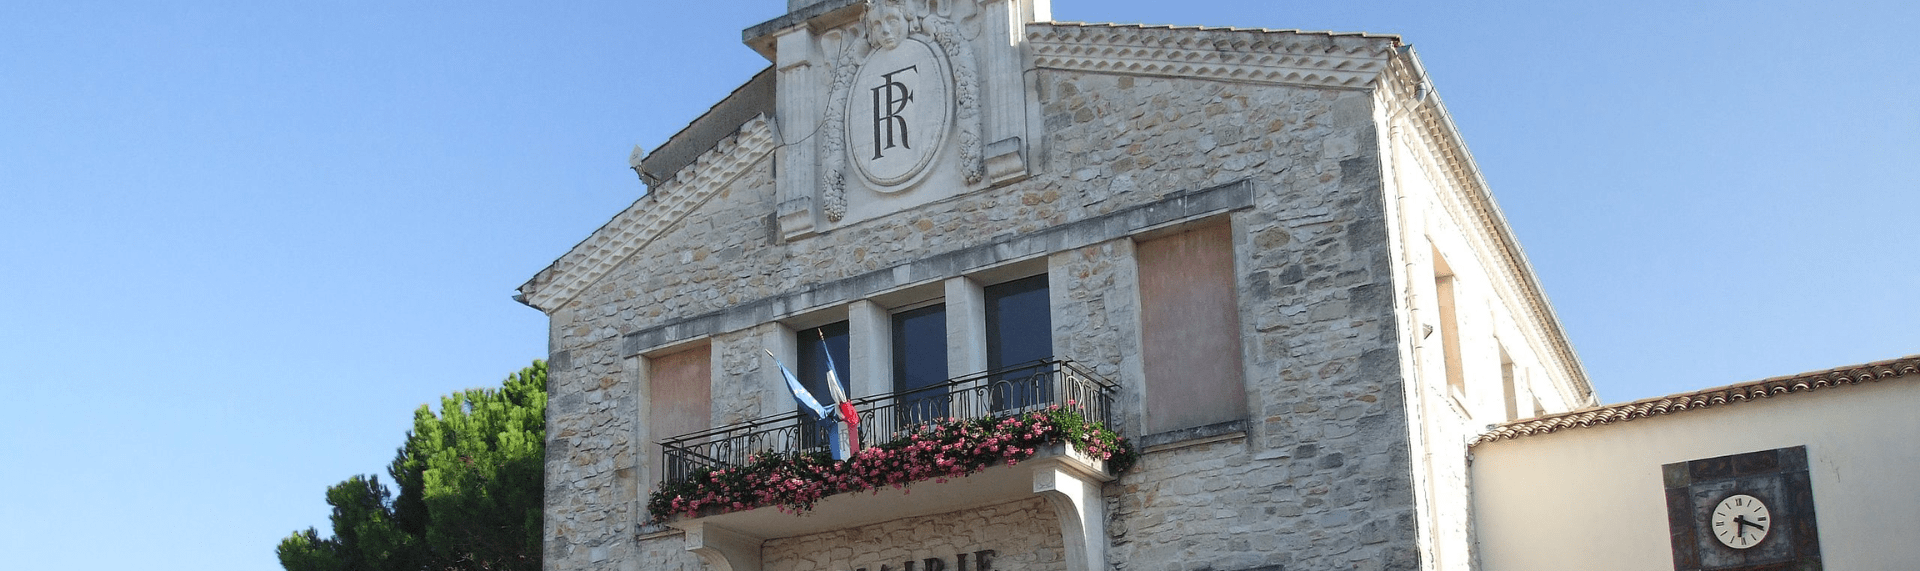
(471,481)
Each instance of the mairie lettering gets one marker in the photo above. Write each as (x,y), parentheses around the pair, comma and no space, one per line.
(977,561)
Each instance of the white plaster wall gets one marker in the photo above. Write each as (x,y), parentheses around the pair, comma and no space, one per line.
(1488,320)
(1428,218)
(1593,498)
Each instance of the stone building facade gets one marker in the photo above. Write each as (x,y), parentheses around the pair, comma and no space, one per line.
(1272,244)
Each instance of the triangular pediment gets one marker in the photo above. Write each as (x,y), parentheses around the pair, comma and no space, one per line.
(972,131)
(666,202)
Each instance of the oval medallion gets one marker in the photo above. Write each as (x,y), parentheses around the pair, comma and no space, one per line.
(897,114)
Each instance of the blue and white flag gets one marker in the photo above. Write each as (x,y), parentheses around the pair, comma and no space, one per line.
(800,393)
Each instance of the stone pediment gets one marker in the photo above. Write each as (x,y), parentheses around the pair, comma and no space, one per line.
(666,202)
(962,101)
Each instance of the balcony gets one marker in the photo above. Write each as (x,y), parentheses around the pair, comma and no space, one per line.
(1066,475)
(888,417)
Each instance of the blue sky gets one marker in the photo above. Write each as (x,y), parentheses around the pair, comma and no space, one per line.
(244,240)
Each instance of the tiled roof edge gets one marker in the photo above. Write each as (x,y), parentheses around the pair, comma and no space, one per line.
(1908,366)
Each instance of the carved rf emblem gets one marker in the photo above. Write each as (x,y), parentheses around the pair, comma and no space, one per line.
(898,127)
(904,83)
(889,100)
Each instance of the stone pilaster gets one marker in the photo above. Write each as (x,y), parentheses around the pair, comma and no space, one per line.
(799,114)
(1001,39)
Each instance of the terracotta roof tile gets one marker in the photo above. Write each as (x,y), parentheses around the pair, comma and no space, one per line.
(1908,366)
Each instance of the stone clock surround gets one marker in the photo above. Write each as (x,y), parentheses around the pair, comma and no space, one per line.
(1777,477)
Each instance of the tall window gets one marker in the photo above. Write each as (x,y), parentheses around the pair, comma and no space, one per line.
(1190,330)
(812,370)
(920,364)
(1019,338)
(1443,291)
(679,400)
(1509,385)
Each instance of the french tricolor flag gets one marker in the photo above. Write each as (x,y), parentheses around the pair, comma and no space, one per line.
(843,442)
(846,443)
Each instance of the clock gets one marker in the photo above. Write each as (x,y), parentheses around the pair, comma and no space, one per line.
(1741,521)
(1742,512)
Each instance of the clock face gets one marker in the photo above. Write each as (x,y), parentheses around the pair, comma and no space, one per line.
(1757,508)
(1741,521)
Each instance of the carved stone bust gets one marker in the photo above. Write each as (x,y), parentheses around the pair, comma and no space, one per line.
(887,24)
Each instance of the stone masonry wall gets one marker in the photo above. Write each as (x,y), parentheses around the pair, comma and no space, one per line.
(1024,535)
(1321,481)
(1317,481)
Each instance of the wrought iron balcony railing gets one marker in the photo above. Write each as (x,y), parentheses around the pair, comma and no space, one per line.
(887,417)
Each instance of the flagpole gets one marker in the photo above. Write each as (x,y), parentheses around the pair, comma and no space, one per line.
(844,406)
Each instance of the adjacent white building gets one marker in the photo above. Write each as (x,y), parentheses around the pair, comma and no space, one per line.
(1638,485)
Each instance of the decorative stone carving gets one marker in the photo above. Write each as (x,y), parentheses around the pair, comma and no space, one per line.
(833,193)
(913,94)
(966,94)
(895,129)
(886,24)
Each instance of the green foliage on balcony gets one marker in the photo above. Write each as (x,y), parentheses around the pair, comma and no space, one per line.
(952,448)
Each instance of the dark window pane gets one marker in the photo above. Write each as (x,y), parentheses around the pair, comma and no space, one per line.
(920,362)
(812,370)
(1019,333)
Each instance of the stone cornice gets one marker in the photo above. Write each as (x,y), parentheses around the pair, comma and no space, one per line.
(1319,59)
(1907,367)
(1467,197)
(640,223)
